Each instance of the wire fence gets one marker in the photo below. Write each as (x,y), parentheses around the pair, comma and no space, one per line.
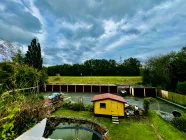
(29,89)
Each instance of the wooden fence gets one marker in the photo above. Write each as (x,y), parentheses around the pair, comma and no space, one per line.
(174,97)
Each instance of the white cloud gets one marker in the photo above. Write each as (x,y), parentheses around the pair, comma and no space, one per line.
(2,7)
(121,42)
(75,26)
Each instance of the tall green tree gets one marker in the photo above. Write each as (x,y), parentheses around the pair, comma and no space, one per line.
(166,71)
(156,72)
(132,66)
(33,56)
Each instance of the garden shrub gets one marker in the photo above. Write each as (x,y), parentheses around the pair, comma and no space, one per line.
(15,76)
(67,105)
(146,104)
(89,108)
(58,104)
(180,123)
(181,87)
(78,107)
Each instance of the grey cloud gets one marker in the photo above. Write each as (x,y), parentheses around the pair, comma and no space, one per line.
(131,31)
(98,9)
(14,34)
(156,27)
(70,52)
(16,24)
(15,15)
(95,30)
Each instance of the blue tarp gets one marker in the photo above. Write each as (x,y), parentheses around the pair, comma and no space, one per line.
(55,94)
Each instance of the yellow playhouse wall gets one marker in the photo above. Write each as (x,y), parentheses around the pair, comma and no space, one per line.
(108,109)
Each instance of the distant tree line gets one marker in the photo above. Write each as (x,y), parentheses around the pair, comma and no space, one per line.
(167,71)
(98,67)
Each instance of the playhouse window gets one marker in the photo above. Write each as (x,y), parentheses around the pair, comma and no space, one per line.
(102,105)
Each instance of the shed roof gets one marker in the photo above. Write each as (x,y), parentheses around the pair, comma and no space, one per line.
(108,96)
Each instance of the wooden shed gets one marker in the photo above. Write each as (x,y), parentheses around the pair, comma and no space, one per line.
(108,104)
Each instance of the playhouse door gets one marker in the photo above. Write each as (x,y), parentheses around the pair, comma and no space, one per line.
(114,108)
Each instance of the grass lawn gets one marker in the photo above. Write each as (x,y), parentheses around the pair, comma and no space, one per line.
(132,128)
(95,79)
(165,130)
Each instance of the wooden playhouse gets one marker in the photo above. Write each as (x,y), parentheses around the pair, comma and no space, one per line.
(108,104)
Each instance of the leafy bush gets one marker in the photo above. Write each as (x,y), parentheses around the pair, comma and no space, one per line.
(77,107)
(146,103)
(181,87)
(14,76)
(41,97)
(89,108)
(43,75)
(180,123)
(67,105)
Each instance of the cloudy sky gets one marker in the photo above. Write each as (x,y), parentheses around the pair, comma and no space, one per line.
(72,31)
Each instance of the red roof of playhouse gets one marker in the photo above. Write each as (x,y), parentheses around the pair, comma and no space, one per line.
(108,96)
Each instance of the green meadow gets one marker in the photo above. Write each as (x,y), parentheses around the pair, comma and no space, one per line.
(95,79)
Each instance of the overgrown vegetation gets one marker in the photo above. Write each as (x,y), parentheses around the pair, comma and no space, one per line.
(15,73)
(19,114)
(78,107)
(15,76)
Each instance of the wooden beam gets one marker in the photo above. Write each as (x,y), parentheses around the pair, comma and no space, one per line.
(132,91)
(156,91)
(45,87)
(144,92)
